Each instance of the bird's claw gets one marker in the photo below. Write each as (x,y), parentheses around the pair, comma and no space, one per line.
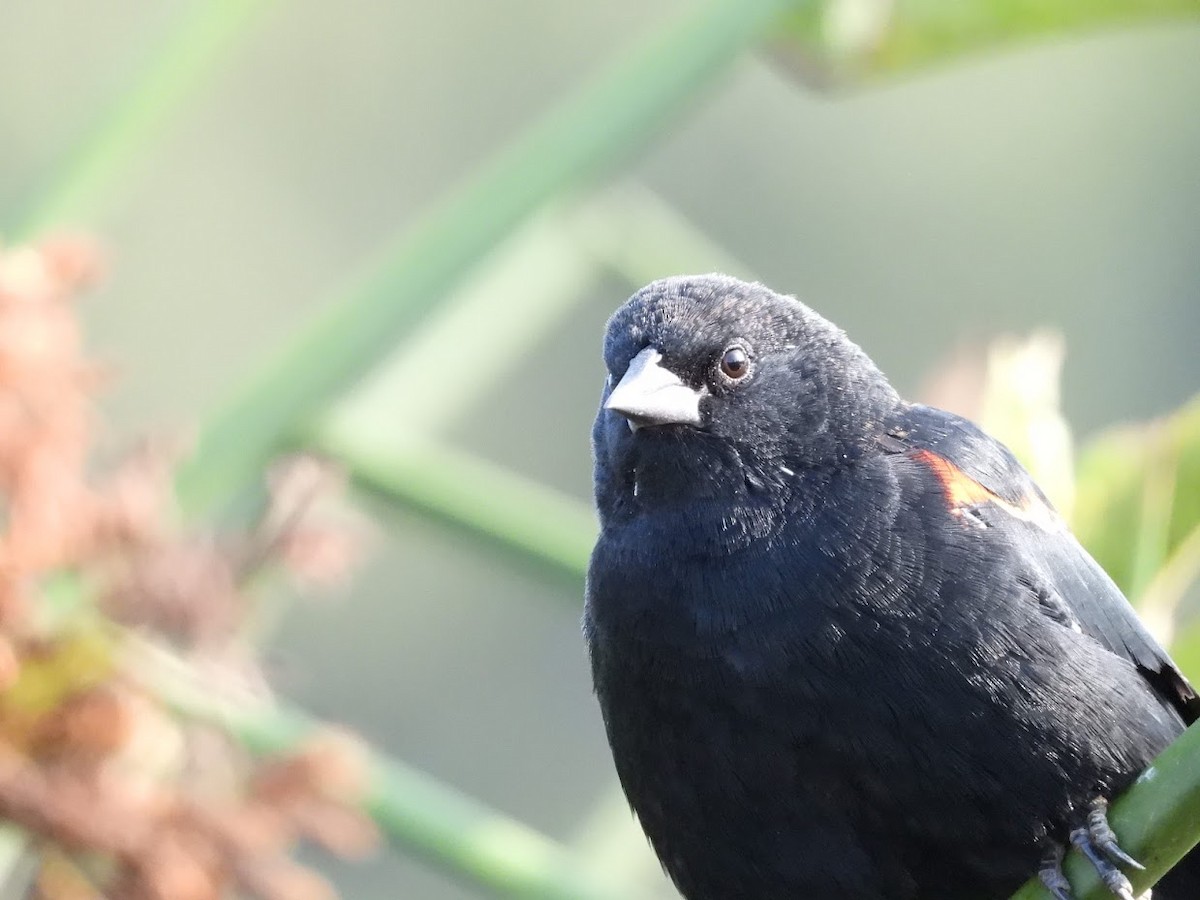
(1098,843)
(1114,879)
(1050,874)
(1102,836)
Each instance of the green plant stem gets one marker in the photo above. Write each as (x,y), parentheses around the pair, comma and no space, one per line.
(1157,819)
(533,521)
(495,321)
(602,124)
(610,842)
(444,825)
(626,229)
(641,237)
(195,50)
(441,824)
(544,270)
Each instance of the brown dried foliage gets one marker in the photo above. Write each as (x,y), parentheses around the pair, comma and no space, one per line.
(120,796)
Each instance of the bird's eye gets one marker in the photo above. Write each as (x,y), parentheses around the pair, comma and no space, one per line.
(735,364)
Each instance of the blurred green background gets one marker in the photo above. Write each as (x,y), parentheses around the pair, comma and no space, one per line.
(1054,183)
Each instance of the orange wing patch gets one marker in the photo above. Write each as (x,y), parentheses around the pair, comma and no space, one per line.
(963,492)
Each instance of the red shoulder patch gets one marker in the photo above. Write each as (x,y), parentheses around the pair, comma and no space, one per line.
(962,492)
(960,488)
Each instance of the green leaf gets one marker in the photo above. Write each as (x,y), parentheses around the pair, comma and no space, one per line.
(1138,505)
(1185,649)
(852,38)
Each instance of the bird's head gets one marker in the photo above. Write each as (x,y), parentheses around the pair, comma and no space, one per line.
(717,388)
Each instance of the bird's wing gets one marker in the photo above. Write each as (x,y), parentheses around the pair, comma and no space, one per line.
(973,471)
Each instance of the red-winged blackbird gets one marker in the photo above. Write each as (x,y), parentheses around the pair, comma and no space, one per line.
(843,646)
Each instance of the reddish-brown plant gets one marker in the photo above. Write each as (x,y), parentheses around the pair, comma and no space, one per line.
(120,794)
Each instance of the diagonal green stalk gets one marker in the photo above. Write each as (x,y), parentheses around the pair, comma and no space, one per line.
(640,236)
(609,841)
(209,32)
(440,823)
(494,322)
(536,523)
(602,124)
(544,270)
(1157,820)
(446,827)
(626,229)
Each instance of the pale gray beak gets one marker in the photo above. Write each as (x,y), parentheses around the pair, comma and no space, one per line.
(650,394)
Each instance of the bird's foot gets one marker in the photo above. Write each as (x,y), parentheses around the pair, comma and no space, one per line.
(1051,875)
(1096,841)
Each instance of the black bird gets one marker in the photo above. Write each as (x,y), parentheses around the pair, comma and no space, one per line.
(843,646)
